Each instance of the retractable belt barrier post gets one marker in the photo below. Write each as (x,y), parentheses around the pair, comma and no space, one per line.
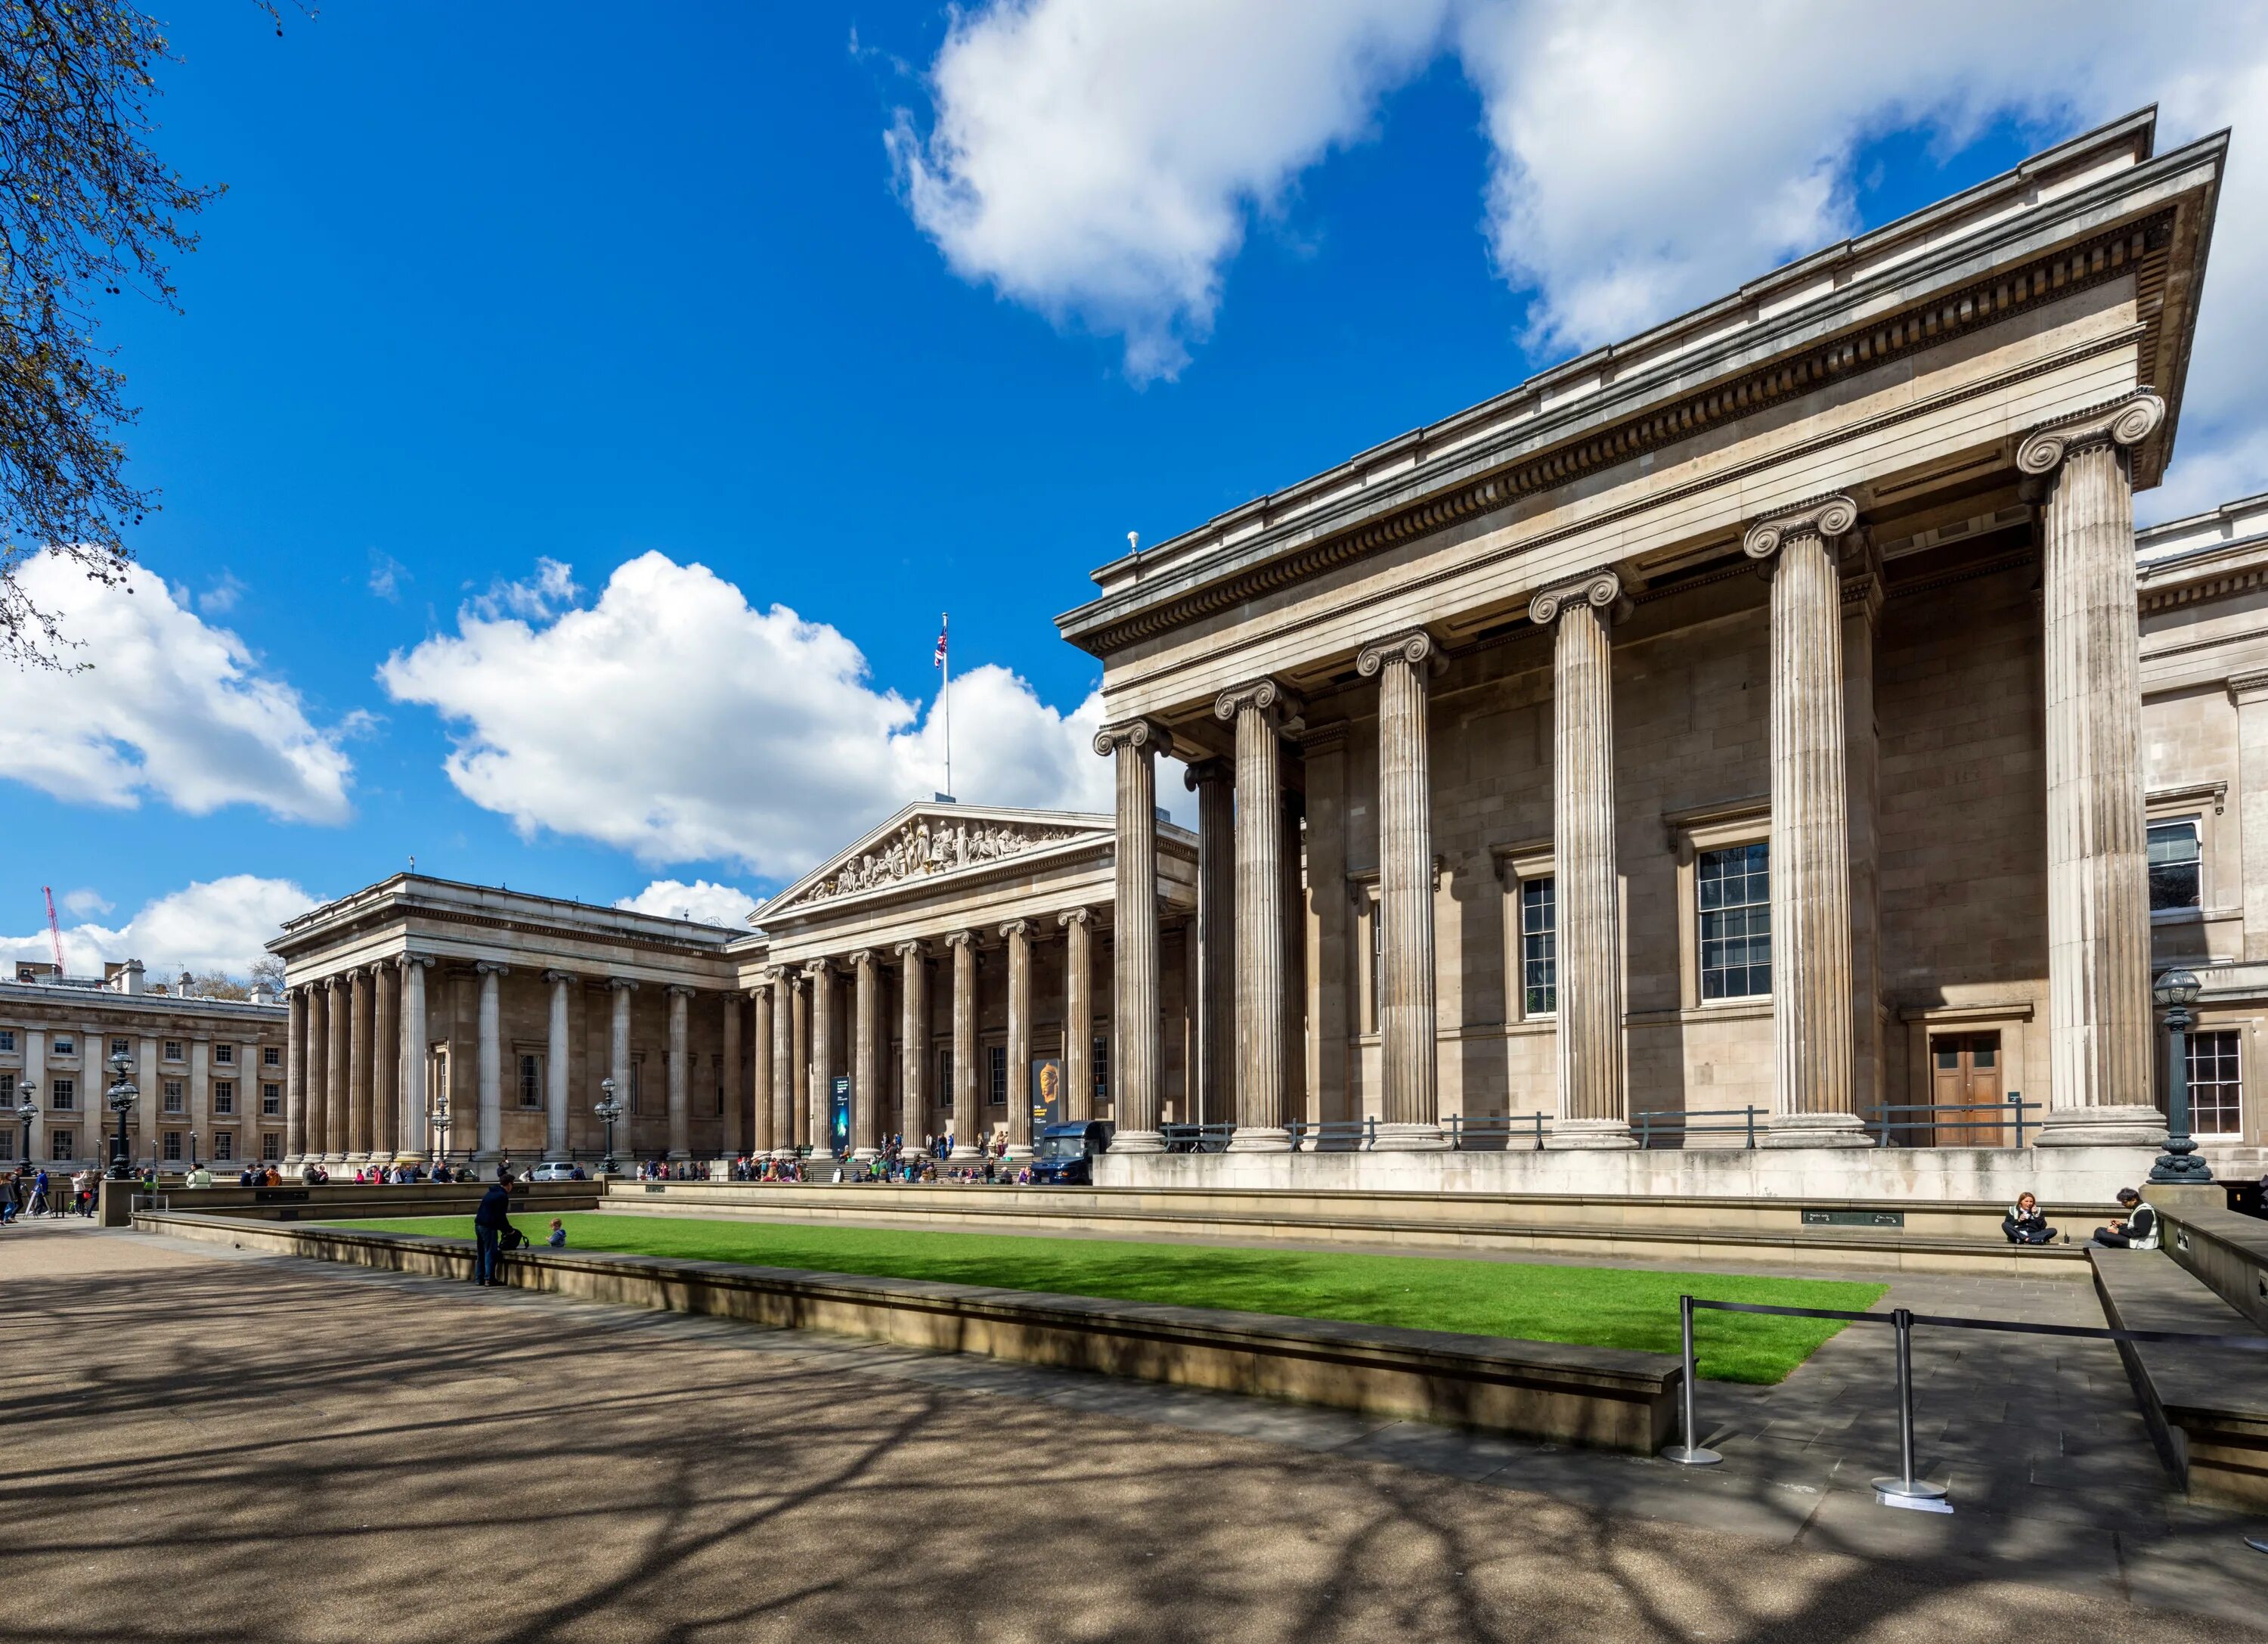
(1906,1490)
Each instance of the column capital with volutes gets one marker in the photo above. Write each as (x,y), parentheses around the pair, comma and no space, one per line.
(424,961)
(961,938)
(491,968)
(558,976)
(1600,590)
(1143,734)
(1014,928)
(1829,518)
(865,959)
(622,984)
(681,990)
(1271,697)
(1199,772)
(2125,421)
(1414,647)
(1070,917)
(914,950)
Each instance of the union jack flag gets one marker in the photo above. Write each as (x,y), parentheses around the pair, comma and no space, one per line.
(941,626)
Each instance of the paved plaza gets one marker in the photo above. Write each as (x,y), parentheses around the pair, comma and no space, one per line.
(212,1446)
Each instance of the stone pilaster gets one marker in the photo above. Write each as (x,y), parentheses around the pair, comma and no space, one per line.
(385,1064)
(913,1047)
(2099,1033)
(295,1080)
(1814,1051)
(1411,1112)
(1259,711)
(680,1093)
(554,1067)
(964,946)
(416,1048)
(1594,1103)
(784,993)
(1213,1086)
(1136,1028)
(491,1062)
(1079,1015)
(820,974)
(867,1055)
(339,1010)
(761,1063)
(1017,933)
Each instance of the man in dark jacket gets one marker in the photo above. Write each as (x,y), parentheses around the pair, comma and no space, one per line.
(489,1223)
(2136,1230)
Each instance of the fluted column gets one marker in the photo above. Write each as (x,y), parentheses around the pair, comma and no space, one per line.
(335,1075)
(358,1043)
(1259,711)
(823,1058)
(799,1069)
(963,945)
(2099,1033)
(761,1062)
(315,1067)
(735,1092)
(784,1061)
(1018,935)
(385,1064)
(913,1045)
(1078,1014)
(295,1080)
(415,1049)
(1136,1025)
(491,1062)
(618,1055)
(867,1054)
(1813,1048)
(1213,1087)
(681,1091)
(1402,665)
(554,1067)
(1592,1103)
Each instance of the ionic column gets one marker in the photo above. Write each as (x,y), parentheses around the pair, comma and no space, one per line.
(1593,1103)
(1137,1030)
(315,1067)
(295,1080)
(618,1054)
(799,998)
(735,1093)
(1411,1118)
(681,1099)
(414,1047)
(358,1049)
(491,1063)
(866,1055)
(338,1011)
(761,1063)
(783,1060)
(823,1058)
(1213,781)
(1018,935)
(1078,1014)
(385,1064)
(2099,1033)
(964,946)
(1813,1048)
(554,1068)
(913,1041)
(1259,711)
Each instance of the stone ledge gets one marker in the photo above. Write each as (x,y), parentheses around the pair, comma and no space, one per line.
(2207,1407)
(1602,1398)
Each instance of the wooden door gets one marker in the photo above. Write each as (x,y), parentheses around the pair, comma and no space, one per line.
(1965,1080)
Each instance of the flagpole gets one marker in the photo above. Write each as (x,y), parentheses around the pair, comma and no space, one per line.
(944,662)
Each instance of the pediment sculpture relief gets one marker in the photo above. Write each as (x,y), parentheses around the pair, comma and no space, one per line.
(932,846)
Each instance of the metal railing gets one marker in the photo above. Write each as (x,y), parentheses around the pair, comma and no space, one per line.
(1904,1490)
(1674,1127)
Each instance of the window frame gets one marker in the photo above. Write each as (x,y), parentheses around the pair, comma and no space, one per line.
(2194,908)
(173,1096)
(223,1054)
(271,1098)
(1692,834)
(2234,1033)
(224,1097)
(63,1096)
(521,1060)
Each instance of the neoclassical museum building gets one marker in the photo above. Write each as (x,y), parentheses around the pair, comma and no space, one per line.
(1768,730)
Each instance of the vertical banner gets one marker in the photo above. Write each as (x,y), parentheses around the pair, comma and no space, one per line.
(1047,1091)
(838,1116)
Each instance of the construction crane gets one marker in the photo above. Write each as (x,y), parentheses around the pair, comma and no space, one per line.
(55,930)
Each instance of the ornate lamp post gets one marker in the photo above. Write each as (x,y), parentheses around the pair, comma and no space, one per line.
(436,1134)
(2175,992)
(28,1109)
(121,1095)
(608,1110)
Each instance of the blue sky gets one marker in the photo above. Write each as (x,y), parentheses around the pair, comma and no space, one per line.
(848,306)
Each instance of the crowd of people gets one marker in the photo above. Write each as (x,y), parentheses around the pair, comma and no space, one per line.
(933,1163)
(28,1191)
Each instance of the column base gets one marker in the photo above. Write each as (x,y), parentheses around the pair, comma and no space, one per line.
(1402,1139)
(1260,1139)
(866,1155)
(1138,1141)
(1814,1130)
(1588,1134)
(2126,1125)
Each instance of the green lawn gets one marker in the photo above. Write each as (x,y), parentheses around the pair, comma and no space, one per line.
(1596,1306)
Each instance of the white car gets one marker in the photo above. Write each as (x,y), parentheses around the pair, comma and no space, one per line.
(553,1172)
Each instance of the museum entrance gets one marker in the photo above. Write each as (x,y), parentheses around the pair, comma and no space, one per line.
(1965,1092)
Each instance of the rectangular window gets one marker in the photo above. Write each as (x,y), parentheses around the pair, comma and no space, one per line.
(1736,887)
(1101,1055)
(175,1101)
(2175,879)
(531,1082)
(996,1093)
(1539,946)
(1377,966)
(8,1143)
(271,1055)
(7,1092)
(173,1051)
(7,1038)
(2216,1083)
(943,1093)
(66,1145)
(224,1096)
(223,1143)
(174,1146)
(271,1146)
(63,1094)
(63,1045)
(121,1047)
(224,1054)
(271,1098)
(638,1084)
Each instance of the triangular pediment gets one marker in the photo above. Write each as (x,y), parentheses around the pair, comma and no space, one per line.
(927,842)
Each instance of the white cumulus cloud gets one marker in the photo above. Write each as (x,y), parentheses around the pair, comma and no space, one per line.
(671,719)
(210,925)
(705,900)
(168,707)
